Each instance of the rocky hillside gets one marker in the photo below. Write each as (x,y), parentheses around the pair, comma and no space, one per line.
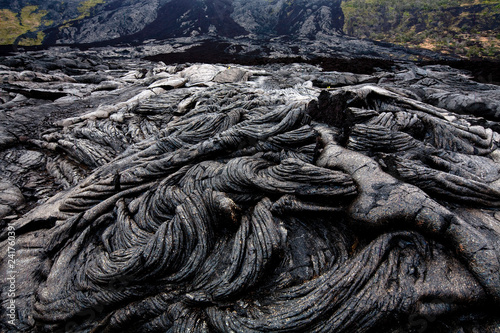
(463,27)
(91,21)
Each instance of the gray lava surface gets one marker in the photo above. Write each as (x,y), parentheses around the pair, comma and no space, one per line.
(282,197)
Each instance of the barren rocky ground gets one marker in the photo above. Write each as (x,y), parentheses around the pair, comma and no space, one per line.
(145,196)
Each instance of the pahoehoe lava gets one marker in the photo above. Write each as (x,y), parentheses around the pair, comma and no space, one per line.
(248,198)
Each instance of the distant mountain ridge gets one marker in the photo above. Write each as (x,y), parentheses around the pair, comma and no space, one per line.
(91,21)
(469,28)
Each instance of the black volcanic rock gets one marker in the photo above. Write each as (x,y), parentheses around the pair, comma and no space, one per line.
(309,19)
(113,21)
(143,20)
(107,22)
(180,18)
(139,20)
(247,198)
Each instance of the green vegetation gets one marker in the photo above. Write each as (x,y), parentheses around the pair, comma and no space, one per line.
(85,8)
(30,21)
(469,28)
(33,41)
(13,25)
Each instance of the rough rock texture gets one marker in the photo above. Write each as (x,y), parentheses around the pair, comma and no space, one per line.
(10,198)
(140,20)
(291,18)
(122,18)
(226,198)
